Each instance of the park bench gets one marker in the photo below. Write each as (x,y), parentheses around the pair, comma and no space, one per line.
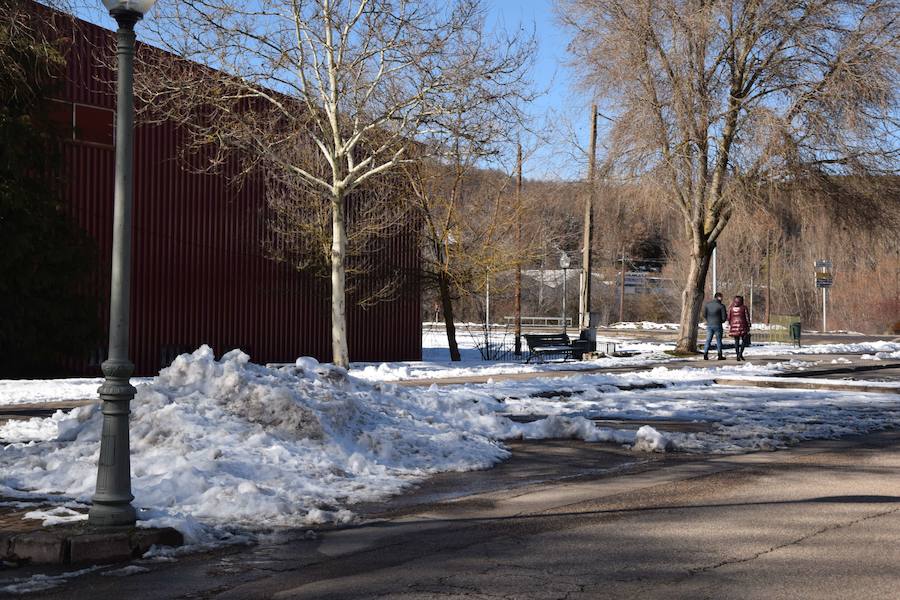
(556,344)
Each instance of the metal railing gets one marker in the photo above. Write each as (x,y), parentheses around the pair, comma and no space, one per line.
(540,321)
(779,329)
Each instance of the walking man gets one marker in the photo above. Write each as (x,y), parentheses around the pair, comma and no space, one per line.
(715,314)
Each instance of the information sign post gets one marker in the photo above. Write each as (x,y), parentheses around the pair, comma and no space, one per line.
(824,280)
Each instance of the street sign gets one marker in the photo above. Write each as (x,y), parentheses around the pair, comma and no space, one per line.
(824,280)
(824,275)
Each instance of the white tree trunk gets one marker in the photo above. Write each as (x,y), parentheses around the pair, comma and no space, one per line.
(339,354)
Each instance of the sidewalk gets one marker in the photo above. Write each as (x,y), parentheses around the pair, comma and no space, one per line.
(854,367)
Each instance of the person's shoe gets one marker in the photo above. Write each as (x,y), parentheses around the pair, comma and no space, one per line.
(705,356)
(720,357)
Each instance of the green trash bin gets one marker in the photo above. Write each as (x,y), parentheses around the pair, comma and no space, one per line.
(795,332)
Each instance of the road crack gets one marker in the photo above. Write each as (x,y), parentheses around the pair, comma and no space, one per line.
(799,540)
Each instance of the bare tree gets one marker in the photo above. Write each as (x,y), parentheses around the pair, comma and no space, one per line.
(469,223)
(461,202)
(712,97)
(351,82)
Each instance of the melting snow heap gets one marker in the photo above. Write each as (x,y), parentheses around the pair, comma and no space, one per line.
(230,441)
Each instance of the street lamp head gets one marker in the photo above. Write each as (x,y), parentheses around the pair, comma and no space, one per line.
(133,6)
(564,261)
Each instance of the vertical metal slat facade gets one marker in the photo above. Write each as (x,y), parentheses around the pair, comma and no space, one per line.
(199,274)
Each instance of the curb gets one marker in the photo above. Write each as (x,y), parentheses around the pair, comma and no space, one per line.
(66,545)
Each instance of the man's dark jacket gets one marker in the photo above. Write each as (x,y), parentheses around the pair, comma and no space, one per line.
(714,313)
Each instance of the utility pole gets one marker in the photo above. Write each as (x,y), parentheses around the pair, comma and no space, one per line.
(518,305)
(715,282)
(541,286)
(584,304)
(622,289)
(487,313)
(768,279)
(751,297)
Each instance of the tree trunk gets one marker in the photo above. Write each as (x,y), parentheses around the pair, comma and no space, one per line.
(692,299)
(339,354)
(447,305)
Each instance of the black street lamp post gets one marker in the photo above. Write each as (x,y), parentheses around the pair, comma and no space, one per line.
(112,499)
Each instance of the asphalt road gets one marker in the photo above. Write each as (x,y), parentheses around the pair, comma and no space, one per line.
(821,520)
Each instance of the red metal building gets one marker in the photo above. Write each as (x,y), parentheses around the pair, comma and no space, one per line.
(199,274)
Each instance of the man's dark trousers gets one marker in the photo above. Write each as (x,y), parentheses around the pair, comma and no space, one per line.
(710,331)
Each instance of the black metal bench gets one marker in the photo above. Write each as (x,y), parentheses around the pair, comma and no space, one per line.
(556,344)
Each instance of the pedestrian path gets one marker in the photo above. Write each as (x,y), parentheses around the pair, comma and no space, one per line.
(810,384)
(39,409)
(847,370)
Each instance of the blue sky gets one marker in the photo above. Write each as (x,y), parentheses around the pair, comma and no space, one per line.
(560,102)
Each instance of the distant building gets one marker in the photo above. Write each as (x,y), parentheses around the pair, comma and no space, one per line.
(199,274)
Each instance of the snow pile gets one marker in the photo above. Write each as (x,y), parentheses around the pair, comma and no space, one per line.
(562,427)
(887,355)
(39,429)
(230,441)
(645,439)
(648,439)
(875,347)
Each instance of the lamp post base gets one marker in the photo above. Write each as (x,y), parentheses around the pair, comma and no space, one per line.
(112,515)
(112,501)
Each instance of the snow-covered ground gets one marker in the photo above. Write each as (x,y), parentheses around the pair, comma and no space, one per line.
(37,391)
(646,325)
(882,355)
(436,362)
(218,443)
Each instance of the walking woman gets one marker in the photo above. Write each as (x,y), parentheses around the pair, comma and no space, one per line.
(738,324)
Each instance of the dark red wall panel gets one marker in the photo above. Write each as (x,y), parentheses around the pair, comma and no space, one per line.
(199,275)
